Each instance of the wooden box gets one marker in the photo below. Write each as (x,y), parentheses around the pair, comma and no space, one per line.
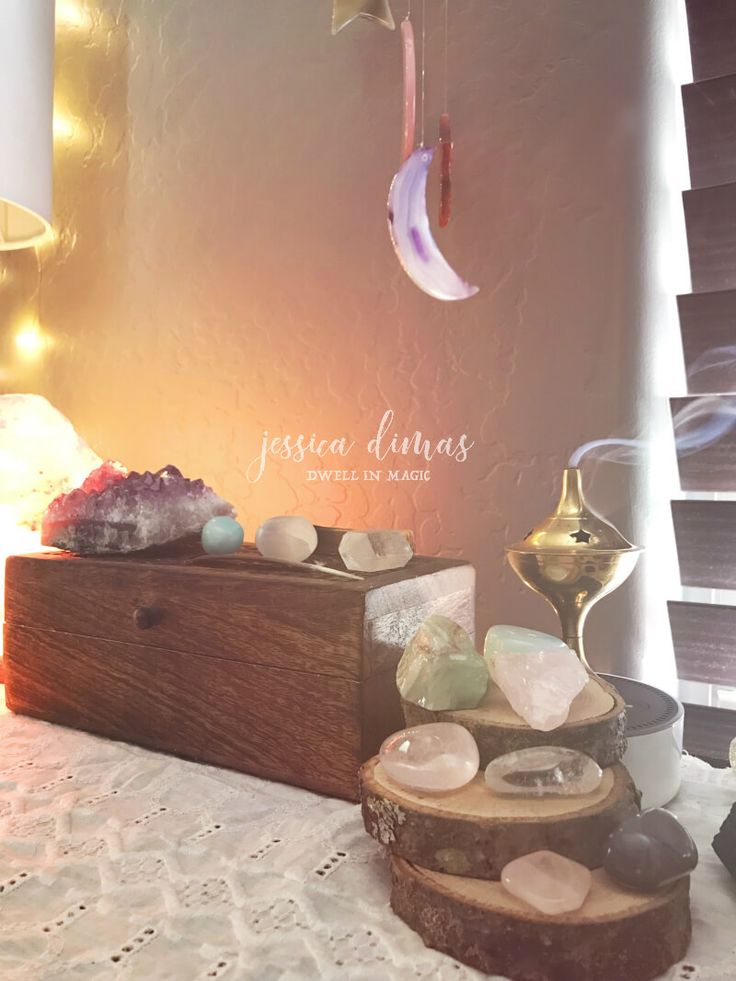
(235,661)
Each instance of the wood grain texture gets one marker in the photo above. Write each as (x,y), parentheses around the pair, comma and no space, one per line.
(710,125)
(705,533)
(709,731)
(712,30)
(240,608)
(712,468)
(617,935)
(474,832)
(238,661)
(594,726)
(703,637)
(286,725)
(710,220)
(708,323)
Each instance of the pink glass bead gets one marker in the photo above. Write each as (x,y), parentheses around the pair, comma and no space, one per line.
(434,758)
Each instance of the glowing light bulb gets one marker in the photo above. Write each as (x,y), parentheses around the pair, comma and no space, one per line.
(30,341)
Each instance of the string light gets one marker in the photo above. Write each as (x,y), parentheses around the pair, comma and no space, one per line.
(31,341)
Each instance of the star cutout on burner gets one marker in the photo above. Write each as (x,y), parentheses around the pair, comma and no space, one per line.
(345,11)
(580,536)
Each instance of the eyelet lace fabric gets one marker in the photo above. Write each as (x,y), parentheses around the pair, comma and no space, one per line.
(119,863)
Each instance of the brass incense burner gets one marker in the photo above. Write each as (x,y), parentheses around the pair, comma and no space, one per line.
(573,559)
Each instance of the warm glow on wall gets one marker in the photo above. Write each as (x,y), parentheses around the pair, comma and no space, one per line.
(64,128)
(72,15)
(71,132)
(31,341)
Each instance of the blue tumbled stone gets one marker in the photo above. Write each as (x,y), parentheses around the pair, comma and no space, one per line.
(221,536)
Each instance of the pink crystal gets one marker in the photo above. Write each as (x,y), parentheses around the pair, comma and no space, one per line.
(540,687)
(112,512)
(547,881)
(436,757)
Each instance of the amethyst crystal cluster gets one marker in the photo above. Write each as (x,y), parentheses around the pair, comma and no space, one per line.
(117,512)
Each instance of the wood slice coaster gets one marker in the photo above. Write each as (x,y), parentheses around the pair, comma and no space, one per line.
(594,726)
(617,935)
(475,832)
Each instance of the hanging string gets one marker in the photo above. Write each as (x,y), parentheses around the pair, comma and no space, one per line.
(446,46)
(445,145)
(424,53)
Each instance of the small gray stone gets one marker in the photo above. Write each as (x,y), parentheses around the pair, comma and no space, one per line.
(649,851)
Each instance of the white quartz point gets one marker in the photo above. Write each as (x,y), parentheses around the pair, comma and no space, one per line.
(287,538)
(543,771)
(374,551)
(538,673)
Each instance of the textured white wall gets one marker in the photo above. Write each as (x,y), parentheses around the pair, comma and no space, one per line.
(225,267)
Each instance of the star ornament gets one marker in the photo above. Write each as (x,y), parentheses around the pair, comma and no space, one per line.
(344,12)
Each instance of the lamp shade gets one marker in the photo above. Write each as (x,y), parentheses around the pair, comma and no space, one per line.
(26,120)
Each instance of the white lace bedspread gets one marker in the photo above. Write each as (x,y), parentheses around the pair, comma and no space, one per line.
(120,863)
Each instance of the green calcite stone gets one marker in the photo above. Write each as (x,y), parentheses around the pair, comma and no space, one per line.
(440,668)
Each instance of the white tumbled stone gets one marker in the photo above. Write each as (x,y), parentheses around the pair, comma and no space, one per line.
(434,758)
(286,538)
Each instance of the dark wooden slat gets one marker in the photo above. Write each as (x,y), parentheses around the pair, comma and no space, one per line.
(708,325)
(705,532)
(712,28)
(710,218)
(710,125)
(709,731)
(710,420)
(704,636)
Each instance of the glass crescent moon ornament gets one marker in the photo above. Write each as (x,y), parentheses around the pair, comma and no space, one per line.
(411,235)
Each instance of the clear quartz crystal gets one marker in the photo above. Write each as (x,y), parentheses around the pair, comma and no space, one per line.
(539,674)
(547,881)
(375,551)
(434,758)
(440,668)
(543,771)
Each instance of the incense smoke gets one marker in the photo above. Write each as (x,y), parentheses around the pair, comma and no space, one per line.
(700,423)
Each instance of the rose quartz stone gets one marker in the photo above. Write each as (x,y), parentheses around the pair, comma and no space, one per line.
(434,758)
(547,881)
(538,673)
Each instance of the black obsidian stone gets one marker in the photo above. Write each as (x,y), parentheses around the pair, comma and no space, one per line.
(724,843)
(649,851)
